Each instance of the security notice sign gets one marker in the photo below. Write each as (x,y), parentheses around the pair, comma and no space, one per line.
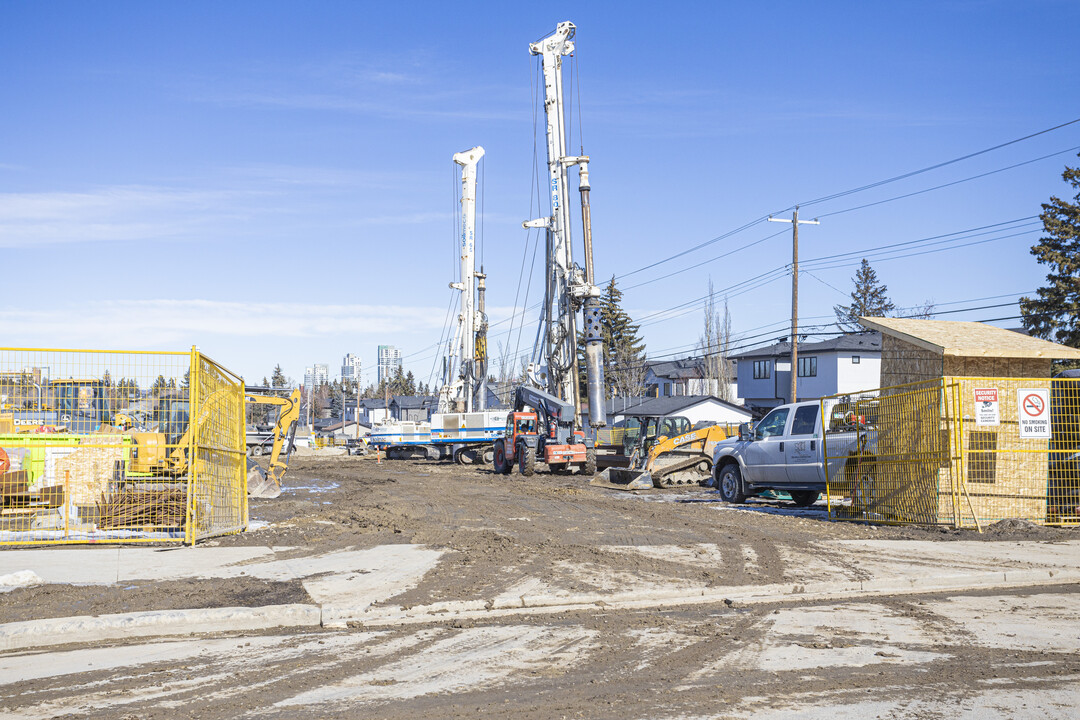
(986,407)
(1034,412)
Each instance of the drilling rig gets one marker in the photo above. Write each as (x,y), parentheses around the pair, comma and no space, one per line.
(568,289)
(463,372)
(463,422)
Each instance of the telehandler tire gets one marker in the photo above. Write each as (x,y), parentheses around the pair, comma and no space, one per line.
(527,456)
(590,461)
(502,467)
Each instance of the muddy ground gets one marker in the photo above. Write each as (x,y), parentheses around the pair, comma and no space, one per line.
(982,654)
(497,528)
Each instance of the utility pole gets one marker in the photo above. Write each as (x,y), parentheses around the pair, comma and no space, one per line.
(794,293)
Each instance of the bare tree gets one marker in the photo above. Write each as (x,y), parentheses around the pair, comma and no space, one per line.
(715,346)
(503,363)
(921,312)
(628,372)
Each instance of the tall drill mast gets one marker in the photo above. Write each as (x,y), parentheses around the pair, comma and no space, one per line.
(568,287)
(460,381)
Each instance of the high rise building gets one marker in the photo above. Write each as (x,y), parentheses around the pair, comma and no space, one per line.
(389,361)
(350,367)
(316,375)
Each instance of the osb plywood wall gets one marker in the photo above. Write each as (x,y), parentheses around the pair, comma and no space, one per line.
(902,362)
(997,367)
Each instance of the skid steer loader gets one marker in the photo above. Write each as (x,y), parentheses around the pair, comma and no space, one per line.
(657,460)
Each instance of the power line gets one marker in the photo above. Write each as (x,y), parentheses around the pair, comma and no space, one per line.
(936,166)
(869,186)
(949,184)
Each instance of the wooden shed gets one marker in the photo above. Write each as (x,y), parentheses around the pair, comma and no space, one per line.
(1003,469)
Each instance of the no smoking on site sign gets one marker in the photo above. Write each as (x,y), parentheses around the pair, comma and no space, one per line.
(1034,413)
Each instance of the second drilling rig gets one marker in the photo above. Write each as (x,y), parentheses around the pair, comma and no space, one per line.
(546,425)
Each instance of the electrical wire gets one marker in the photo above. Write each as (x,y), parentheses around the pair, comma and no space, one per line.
(936,166)
(862,188)
(949,184)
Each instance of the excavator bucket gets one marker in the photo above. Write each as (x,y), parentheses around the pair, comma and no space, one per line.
(623,479)
(260,483)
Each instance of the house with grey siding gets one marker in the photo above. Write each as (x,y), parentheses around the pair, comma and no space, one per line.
(845,364)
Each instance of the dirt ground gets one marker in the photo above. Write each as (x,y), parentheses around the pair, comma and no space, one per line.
(1004,654)
(497,528)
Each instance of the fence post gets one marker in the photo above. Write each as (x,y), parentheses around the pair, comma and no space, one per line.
(192,464)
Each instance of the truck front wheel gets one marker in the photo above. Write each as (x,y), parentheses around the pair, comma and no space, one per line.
(729,483)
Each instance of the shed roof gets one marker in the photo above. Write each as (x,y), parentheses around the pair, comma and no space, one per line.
(969,339)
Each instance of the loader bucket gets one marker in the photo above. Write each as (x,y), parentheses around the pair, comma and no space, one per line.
(259,482)
(623,479)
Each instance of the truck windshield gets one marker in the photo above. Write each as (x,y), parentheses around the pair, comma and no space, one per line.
(772,425)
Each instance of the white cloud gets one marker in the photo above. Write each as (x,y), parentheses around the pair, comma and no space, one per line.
(137,213)
(141,324)
(113,213)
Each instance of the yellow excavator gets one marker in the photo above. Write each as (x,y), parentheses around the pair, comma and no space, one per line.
(684,459)
(267,483)
(152,456)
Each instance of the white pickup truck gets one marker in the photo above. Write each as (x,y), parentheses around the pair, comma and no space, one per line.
(781,452)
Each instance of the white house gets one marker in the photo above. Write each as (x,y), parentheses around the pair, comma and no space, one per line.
(846,364)
(346,431)
(695,408)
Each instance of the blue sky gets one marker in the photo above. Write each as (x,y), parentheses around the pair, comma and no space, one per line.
(273,181)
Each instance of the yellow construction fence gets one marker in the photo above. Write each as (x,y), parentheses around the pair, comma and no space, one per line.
(123,447)
(956,451)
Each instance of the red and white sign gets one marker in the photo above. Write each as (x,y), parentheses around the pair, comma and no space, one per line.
(1034,412)
(987,409)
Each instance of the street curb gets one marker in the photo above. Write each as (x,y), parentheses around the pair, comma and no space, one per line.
(61,631)
(744,595)
(89,628)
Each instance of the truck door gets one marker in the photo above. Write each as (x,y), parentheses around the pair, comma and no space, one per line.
(764,457)
(801,447)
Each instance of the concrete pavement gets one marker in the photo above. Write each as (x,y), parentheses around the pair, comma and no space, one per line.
(353,586)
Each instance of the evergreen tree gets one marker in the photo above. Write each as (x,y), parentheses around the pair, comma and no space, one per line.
(624,350)
(278,379)
(159,386)
(869,299)
(1055,313)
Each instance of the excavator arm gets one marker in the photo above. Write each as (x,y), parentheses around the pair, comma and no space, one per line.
(267,483)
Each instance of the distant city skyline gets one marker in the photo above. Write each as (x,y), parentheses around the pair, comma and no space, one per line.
(352,368)
(389,361)
(316,375)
